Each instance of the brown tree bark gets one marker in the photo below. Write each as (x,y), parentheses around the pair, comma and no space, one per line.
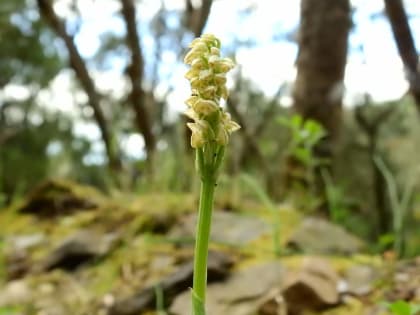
(318,89)
(135,73)
(79,67)
(321,62)
(196,18)
(406,46)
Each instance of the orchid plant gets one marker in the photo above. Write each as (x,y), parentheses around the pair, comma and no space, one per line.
(211,128)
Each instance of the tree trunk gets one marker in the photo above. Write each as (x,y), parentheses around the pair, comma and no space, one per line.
(321,62)
(196,18)
(318,90)
(82,73)
(406,46)
(135,73)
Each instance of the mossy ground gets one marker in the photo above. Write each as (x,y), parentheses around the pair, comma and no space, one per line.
(145,254)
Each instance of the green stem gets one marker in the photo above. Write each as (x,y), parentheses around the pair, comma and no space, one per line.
(202,236)
(160,303)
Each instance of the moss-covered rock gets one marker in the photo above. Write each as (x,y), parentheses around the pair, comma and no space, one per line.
(58,197)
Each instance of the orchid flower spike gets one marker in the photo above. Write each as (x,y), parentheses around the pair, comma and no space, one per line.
(207,77)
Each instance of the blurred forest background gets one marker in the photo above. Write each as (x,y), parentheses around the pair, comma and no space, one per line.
(327,94)
(89,93)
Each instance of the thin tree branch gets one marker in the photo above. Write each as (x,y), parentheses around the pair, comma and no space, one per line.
(135,73)
(203,17)
(79,67)
(406,46)
(196,18)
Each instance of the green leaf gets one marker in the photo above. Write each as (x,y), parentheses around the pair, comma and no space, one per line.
(303,155)
(313,127)
(285,121)
(400,308)
(198,305)
(386,240)
(296,121)
(415,309)
(9,310)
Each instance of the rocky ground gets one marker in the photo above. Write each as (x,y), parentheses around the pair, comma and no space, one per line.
(70,250)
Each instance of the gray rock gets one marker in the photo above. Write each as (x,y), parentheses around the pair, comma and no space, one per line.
(18,263)
(59,197)
(17,253)
(314,287)
(25,242)
(180,281)
(358,280)
(79,248)
(319,236)
(250,283)
(15,293)
(227,227)
(241,294)
(273,304)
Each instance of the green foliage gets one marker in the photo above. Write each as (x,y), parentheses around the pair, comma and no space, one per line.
(28,59)
(19,172)
(10,310)
(270,205)
(301,161)
(305,135)
(336,199)
(400,204)
(2,261)
(52,147)
(160,302)
(31,56)
(403,308)
(28,55)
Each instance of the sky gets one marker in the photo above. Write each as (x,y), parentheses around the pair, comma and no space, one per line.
(377,70)
(373,65)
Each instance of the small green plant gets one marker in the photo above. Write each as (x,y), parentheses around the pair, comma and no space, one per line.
(5,310)
(336,199)
(400,204)
(270,205)
(305,135)
(211,129)
(160,302)
(403,308)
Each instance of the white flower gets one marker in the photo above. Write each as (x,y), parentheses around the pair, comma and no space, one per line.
(198,63)
(220,78)
(191,100)
(228,124)
(207,77)
(223,92)
(197,50)
(205,107)
(224,65)
(209,92)
(214,51)
(205,74)
(198,133)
